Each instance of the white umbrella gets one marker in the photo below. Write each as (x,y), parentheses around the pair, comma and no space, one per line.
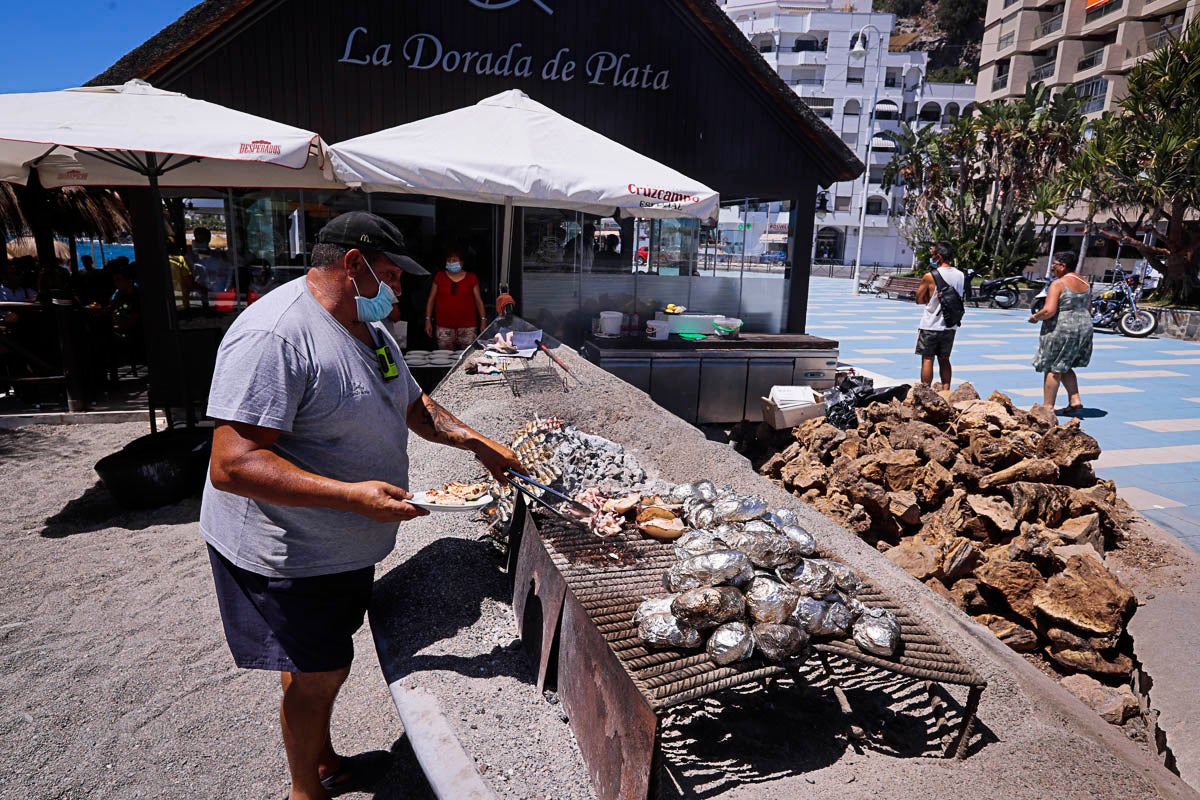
(511,150)
(136,135)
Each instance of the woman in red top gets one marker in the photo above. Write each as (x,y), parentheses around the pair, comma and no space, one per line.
(459,306)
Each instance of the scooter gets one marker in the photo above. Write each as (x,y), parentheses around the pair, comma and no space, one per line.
(1001,292)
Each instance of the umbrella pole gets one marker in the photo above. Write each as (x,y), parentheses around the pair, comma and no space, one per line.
(506,246)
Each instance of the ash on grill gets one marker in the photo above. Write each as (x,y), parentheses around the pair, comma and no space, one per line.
(567,460)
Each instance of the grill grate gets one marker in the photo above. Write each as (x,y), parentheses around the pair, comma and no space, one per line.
(611,576)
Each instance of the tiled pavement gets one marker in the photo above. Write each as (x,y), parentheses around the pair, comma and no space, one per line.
(1142,395)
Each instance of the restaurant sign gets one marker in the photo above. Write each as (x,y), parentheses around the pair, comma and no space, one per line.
(426,51)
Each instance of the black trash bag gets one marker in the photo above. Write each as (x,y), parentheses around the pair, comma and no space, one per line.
(841,401)
(885,395)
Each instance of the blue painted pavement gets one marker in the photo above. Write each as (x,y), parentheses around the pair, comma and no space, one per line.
(1142,396)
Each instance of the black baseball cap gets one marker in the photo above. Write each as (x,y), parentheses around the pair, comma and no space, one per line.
(368,231)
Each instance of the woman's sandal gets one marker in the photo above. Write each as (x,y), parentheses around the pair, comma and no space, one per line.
(1068,411)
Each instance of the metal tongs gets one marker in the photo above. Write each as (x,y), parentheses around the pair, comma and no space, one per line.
(575,505)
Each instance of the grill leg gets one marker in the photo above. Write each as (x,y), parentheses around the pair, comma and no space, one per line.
(856,731)
(958,748)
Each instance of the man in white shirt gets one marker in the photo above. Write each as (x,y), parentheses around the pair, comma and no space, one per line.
(934,338)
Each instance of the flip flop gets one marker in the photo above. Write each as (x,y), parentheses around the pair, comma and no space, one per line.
(357,773)
(1068,411)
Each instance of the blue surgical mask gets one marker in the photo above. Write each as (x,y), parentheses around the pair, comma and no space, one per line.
(933,262)
(453,266)
(373,309)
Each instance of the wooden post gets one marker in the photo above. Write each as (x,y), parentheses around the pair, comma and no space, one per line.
(800,235)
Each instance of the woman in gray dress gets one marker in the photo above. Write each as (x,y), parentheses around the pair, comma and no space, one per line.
(1066,341)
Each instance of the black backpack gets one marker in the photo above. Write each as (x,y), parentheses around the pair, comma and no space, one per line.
(952,303)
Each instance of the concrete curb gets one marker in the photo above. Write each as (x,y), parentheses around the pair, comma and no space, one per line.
(450,771)
(76,418)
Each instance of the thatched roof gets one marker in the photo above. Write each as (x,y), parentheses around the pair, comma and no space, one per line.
(74,211)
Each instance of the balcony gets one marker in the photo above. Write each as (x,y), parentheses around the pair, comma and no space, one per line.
(1092,59)
(1042,72)
(1050,26)
(1103,11)
(999,82)
(1152,43)
(1006,40)
(818,81)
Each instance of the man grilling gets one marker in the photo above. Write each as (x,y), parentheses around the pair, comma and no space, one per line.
(309,476)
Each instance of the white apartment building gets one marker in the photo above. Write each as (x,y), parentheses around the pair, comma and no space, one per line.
(1092,44)
(809,42)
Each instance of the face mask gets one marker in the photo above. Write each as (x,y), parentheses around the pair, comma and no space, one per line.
(933,262)
(453,266)
(374,308)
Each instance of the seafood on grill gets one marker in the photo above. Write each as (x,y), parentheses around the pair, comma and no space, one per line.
(621,505)
(653,605)
(663,630)
(775,642)
(877,631)
(739,508)
(708,606)
(660,523)
(768,600)
(720,567)
(730,642)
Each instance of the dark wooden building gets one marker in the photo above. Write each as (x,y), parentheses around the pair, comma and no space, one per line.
(673,79)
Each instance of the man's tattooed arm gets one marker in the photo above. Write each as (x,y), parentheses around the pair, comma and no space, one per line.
(430,421)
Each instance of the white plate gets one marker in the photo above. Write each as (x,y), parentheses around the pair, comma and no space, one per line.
(418,500)
(417,353)
(416,360)
(441,352)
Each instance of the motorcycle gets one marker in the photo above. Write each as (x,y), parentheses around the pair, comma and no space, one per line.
(1116,307)
(999,291)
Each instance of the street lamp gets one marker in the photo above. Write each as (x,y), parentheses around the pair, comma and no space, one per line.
(859,50)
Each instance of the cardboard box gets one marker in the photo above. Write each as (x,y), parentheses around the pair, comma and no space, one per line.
(779,419)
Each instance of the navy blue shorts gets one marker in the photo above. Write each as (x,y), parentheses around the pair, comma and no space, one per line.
(291,624)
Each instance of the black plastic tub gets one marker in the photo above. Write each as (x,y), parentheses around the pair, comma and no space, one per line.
(159,469)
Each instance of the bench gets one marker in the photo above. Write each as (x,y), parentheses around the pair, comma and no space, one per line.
(897,287)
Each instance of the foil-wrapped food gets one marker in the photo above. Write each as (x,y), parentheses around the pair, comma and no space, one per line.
(845,579)
(720,567)
(830,617)
(776,642)
(802,542)
(768,600)
(663,630)
(877,631)
(781,517)
(739,508)
(766,548)
(709,606)
(698,542)
(653,605)
(811,577)
(730,642)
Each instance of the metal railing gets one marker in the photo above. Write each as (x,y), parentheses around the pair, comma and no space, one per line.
(806,81)
(1102,11)
(1152,43)
(1042,72)
(1006,40)
(1051,25)
(999,82)
(1090,60)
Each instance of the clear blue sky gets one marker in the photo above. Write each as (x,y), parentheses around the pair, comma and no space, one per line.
(55,44)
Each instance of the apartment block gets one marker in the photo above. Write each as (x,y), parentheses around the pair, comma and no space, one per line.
(810,43)
(1089,44)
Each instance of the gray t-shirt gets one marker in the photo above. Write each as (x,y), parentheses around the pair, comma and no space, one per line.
(287,364)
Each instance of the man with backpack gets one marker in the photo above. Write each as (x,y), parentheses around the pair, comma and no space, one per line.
(941,292)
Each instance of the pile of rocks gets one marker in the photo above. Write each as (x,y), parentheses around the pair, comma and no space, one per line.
(993,507)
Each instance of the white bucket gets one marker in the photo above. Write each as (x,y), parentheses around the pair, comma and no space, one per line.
(610,323)
(657,329)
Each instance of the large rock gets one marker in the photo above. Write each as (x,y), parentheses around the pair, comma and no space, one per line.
(1034,543)
(1037,470)
(1069,640)
(933,483)
(1018,637)
(1114,704)
(819,437)
(996,511)
(965,594)
(804,472)
(1043,417)
(1015,581)
(1039,502)
(918,556)
(895,469)
(773,466)
(1068,445)
(962,393)
(929,442)
(927,406)
(993,450)
(1095,662)
(956,518)
(1063,553)
(905,508)
(984,415)
(959,557)
(1086,596)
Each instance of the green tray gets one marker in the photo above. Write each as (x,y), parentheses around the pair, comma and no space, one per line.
(692,337)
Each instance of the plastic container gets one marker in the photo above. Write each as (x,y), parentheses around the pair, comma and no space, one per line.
(727,327)
(657,330)
(610,323)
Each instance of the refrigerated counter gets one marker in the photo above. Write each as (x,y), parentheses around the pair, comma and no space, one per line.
(717,381)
